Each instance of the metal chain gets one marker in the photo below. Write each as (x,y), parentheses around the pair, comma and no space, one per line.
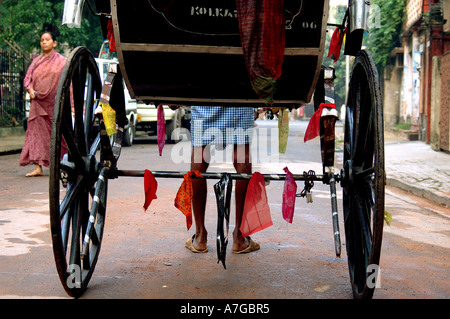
(309,183)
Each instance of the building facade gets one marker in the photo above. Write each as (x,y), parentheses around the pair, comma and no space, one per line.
(417,81)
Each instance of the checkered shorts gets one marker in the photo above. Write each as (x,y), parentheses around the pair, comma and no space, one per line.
(219,125)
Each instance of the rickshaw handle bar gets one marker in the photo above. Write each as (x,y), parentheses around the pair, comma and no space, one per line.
(212,175)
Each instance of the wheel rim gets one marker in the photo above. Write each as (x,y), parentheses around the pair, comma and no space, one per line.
(363,199)
(130,135)
(80,170)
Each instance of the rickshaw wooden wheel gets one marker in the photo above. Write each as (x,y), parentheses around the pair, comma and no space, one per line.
(363,175)
(77,187)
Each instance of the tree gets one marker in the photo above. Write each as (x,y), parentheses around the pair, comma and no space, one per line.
(382,38)
(340,65)
(23,21)
(385,36)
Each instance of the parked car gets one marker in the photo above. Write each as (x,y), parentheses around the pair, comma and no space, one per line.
(175,119)
(147,113)
(130,104)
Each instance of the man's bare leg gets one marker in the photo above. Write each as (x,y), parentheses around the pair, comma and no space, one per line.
(200,162)
(242,164)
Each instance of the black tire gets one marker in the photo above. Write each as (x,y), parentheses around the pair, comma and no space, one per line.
(130,133)
(363,175)
(77,220)
(172,127)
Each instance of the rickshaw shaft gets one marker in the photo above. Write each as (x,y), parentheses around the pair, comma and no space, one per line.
(212,175)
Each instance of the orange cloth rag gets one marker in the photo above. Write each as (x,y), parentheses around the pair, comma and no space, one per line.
(184,196)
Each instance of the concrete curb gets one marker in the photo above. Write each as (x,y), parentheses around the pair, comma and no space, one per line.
(10,152)
(425,193)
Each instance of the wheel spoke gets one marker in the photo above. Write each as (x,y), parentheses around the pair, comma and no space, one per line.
(74,153)
(96,206)
(89,116)
(365,143)
(72,192)
(364,212)
(95,145)
(358,253)
(349,127)
(94,237)
(78,84)
(65,230)
(74,254)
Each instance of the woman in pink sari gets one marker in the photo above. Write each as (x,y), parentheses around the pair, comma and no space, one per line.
(41,83)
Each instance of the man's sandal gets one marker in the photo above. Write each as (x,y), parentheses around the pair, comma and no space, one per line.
(254,246)
(189,245)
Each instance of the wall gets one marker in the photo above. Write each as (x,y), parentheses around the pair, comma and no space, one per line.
(444,126)
(446,8)
(392,86)
(436,82)
(411,83)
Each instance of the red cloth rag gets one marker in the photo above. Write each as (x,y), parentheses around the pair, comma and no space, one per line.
(150,187)
(110,37)
(336,44)
(262,29)
(184,196)
(313,128)
(256,215)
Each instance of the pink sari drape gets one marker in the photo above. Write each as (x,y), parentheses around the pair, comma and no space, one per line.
(43,76)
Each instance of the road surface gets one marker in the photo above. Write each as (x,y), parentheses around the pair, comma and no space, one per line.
(143,254)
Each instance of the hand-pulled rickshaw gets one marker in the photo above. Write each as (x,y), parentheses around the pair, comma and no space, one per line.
(193,51)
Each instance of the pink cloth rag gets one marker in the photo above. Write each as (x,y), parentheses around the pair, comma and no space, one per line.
(161,129)
(290,189)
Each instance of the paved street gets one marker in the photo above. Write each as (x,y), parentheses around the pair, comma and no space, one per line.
(143,254)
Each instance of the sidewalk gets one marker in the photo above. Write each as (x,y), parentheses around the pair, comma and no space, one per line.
(11,144)
(410,165)
(414,167)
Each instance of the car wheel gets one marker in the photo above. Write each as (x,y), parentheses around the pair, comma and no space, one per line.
(129,135)
(172,126)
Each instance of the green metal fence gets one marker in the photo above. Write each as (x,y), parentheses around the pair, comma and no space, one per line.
(12,73)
